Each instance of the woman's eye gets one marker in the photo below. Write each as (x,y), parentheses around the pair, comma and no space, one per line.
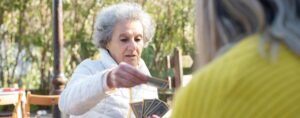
(138,39)
(124,40)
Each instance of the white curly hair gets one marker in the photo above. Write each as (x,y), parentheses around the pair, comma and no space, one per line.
(109,16)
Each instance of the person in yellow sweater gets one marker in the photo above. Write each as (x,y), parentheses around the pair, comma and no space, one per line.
(257,73)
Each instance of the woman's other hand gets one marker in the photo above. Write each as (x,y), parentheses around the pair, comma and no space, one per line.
(126,76)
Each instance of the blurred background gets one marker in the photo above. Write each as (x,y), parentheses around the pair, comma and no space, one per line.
(26,38)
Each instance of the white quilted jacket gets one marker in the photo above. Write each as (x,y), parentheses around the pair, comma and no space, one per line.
(87,95)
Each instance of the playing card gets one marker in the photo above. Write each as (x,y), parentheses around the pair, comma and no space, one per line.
(154,103)
(160,110)
(137,109)
(159,83)
(146,105)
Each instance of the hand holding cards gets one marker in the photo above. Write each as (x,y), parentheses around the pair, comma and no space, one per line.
(149,107)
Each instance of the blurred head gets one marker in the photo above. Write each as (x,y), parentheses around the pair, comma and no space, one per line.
(124,29)
(224,22)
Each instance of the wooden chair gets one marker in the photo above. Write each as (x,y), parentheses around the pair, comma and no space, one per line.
(177,62)
(41,100)
(12,99)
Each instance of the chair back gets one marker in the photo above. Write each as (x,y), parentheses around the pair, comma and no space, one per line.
(177,62)
(12,99)
(41,100)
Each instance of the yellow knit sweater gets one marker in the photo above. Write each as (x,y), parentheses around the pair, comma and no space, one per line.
(243,84)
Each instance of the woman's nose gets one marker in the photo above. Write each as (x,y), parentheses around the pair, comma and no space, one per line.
(132,45)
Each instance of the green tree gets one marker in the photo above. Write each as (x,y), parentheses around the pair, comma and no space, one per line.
(26,37)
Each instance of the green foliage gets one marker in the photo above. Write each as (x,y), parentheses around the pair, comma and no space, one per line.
(175,28)
(27,43)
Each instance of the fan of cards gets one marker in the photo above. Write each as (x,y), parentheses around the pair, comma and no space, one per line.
(149,107)
(159,83)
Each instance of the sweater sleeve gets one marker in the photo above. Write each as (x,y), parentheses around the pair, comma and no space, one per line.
(85,90)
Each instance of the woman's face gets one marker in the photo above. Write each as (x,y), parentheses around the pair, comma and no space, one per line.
(127,42)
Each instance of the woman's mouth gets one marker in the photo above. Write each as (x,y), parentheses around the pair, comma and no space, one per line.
(130,56)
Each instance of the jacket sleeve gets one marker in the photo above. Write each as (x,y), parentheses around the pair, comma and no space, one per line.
(85,90)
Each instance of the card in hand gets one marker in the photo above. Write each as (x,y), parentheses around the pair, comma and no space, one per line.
(137,109)
(159,83)
(159,110)
(146,105)
(154,103)
(149,107)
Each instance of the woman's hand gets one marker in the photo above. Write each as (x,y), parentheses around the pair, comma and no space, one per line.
(126,76)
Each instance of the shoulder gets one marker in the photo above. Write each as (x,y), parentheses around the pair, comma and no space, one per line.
(213,81)
(242,55)
(90,65)
(89,61)
(240,60)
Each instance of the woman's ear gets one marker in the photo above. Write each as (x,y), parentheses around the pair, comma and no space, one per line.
(107,47)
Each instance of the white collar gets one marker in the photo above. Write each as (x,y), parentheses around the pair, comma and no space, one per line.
(106,58)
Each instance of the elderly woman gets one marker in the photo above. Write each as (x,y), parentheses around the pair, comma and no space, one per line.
(104,88)
(258,75)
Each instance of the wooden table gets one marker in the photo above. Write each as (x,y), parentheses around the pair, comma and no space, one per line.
(8,91)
